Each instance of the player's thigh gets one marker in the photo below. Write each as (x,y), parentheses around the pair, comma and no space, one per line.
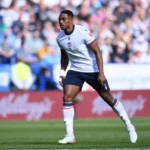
(102,90)
(70,92)
(92,79)
(72,85)
(73,78)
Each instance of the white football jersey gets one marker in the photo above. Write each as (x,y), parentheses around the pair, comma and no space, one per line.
(81,57)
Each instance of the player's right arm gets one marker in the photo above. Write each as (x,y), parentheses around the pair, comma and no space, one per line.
(64,60)
(64,63)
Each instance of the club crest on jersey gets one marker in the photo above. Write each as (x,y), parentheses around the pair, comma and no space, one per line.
(69,45)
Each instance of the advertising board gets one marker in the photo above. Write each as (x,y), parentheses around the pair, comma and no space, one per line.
(48,105)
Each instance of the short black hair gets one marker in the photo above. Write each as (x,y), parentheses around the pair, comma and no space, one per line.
(68,12)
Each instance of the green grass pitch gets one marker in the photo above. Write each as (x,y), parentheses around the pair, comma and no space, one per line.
(92,134)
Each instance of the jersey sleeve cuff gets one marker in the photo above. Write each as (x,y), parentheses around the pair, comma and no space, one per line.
(91,42)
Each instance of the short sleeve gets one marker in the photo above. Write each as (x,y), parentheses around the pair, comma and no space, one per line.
(87,36)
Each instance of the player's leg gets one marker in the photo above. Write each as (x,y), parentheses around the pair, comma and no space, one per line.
(120,111)
(72,86)
(104,92)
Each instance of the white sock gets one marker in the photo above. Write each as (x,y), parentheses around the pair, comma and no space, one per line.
(68,114)
(120,111)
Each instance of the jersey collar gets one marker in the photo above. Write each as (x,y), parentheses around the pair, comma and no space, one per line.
(71,31)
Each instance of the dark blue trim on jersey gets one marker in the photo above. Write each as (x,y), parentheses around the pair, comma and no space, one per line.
(71,31)
(67,104)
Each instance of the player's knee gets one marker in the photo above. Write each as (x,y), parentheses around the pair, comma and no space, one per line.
(67,98)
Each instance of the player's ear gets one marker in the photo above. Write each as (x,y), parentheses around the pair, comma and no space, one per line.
(71,19)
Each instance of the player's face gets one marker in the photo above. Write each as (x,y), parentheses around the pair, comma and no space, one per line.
(65,21)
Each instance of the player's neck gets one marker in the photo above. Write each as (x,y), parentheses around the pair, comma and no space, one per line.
(70,30)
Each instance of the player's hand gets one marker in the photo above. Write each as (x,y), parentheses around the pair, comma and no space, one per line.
(61,78)
(102,79)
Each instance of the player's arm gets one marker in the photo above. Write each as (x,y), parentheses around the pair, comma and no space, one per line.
(89,40)
(95,48)
(64,63)
(64,60)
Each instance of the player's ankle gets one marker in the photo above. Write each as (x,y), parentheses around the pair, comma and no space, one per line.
(70,135)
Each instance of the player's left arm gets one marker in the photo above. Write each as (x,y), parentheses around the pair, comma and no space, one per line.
(91,42)
(95,48)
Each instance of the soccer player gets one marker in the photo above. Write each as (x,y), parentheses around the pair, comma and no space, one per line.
(78,45)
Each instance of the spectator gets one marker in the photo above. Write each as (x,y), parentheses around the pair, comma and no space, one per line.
(7,53)
(140,50)
(128,10)
(106,49)
(120,15)
(84,11)
(47,55)
(44,80)
(105,31)
(23,55)
(22,77)
(119,54)
(34,43)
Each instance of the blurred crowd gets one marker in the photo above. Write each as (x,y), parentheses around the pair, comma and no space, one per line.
(28,29)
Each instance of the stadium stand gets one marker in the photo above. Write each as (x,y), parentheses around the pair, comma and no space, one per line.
(28,30)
